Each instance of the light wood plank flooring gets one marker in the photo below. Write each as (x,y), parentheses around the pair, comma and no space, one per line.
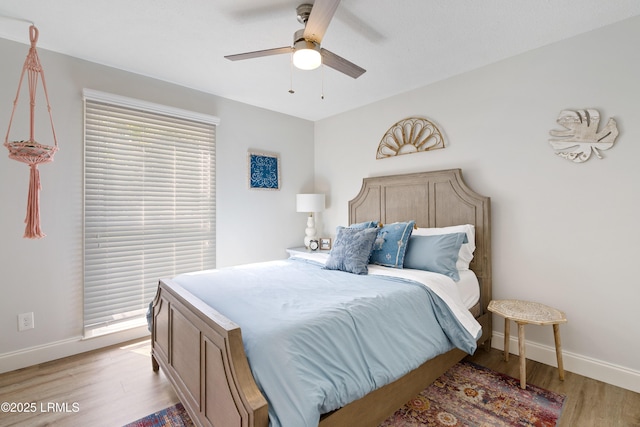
(115,386)
(589,403)
(111,387)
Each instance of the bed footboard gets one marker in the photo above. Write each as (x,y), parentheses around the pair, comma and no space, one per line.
(202,354)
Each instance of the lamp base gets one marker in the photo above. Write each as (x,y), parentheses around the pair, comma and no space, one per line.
(310,231)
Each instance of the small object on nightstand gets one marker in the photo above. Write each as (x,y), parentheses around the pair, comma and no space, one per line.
(526,312)
(325,243)
(313,245)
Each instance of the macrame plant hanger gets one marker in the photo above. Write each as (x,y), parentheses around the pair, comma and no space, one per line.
(31,152)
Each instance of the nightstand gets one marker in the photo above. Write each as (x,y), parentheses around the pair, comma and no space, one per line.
(302,250)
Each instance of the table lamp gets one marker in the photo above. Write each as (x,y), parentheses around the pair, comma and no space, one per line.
(310,203)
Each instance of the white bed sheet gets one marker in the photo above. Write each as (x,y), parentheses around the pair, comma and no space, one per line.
(469,288)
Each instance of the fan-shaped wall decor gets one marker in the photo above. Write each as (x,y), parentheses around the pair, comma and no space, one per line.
(408,136)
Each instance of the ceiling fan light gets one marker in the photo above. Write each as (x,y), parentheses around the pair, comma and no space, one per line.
(306,55)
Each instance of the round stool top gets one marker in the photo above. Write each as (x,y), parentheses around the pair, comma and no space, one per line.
(527,312)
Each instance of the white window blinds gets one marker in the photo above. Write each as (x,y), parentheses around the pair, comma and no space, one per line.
(149,208)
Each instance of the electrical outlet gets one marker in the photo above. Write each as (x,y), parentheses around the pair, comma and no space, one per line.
(25,321)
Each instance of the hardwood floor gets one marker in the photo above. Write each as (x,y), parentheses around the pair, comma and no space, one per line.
(115,386)
(589,403)
(108,387)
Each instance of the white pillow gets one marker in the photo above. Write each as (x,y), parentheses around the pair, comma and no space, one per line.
(466,250)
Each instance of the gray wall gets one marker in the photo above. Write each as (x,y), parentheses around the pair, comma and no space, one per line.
(45,276)
(563,233)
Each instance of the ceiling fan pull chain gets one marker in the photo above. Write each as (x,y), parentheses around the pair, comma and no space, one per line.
(291,91)
(322,81)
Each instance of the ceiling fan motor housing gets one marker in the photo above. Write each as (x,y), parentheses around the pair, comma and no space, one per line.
(303,11)
(298,36)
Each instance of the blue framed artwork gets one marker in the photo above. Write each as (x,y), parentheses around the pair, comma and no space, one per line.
(264,171)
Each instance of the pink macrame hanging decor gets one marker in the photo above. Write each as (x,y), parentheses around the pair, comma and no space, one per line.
(31,152)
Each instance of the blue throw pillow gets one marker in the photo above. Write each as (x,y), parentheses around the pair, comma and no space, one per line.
(351,250)
(438,253)
(391,244)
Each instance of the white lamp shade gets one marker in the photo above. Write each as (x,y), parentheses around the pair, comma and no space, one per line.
(309,202)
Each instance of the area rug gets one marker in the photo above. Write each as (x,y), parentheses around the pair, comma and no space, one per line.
(173,416)
(466,395)
(474,396)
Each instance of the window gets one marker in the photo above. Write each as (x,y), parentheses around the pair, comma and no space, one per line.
(149,204)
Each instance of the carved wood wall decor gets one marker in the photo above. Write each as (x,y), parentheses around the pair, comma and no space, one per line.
(408,136)
(580,137)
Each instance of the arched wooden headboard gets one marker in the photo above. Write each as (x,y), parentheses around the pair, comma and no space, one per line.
(432,199)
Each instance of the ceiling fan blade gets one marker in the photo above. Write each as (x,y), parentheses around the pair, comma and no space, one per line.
(338,63)
(320,18)
(259,53)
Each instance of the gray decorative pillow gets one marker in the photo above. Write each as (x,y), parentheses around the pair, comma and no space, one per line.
(351,250)
(366,224)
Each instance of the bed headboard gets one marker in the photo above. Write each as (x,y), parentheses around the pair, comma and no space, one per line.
(432,199)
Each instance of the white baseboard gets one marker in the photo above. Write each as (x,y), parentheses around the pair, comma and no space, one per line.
(69,347)
(576,363)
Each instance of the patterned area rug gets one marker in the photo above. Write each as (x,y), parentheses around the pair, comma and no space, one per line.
(474,396)
(466,395)
(173,416)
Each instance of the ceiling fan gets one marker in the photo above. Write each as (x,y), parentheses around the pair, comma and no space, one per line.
(307,53)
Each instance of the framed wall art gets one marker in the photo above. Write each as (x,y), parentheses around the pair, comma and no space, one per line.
(263,170)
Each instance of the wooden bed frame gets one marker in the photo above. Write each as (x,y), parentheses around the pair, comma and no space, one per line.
(201,351)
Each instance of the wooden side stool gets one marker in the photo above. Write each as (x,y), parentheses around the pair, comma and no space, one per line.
(523,313)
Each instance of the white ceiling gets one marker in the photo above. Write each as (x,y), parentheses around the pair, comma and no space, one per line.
(402,44)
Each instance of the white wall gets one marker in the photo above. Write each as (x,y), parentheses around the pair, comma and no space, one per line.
(563,233)
(45,276)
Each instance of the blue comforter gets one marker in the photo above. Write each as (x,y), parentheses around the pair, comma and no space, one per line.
(318,339)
